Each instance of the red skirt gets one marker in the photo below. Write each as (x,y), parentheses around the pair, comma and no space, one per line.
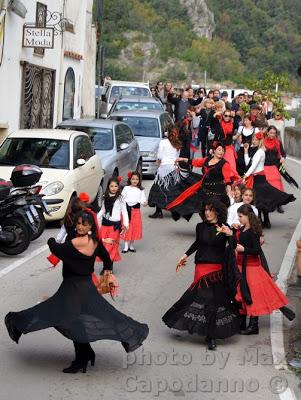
(135,227)
(113,249)
(266,295)
(273,176)
(230,156)
(207,273)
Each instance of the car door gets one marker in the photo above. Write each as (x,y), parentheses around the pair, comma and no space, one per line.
(123,155)
(87,176)
(133,152)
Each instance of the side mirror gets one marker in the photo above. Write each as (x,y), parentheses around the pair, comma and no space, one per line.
(80,162)
(103,98)
(165,134)
(123,146)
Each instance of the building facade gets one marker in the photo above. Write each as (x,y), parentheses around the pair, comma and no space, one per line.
(40,87)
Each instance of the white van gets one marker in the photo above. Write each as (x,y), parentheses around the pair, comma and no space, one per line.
(115,89)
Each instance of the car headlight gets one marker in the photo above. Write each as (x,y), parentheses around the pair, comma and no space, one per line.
(53,188)
(151,154)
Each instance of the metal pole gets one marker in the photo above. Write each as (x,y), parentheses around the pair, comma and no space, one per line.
(205,79)
(99,14)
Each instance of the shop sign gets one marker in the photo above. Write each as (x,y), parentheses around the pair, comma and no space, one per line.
(37,37)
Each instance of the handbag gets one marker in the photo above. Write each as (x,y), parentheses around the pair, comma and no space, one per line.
(106,283)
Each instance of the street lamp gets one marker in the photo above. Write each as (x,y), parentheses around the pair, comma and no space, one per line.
(17,7)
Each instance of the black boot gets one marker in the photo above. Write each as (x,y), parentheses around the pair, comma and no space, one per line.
(252,329)
(12,330)
(211,343)
(266,220)
(280,210)
(83,354)
(243,322)
(157,214)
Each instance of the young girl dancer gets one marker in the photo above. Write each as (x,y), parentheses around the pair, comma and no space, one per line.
(133,195)
(113,210)
(257,293)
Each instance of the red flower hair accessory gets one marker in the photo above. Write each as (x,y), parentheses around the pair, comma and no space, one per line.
(259,135)
(84,197)
(130,174)
(119,179)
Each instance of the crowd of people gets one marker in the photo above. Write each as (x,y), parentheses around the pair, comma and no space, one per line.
(241,158)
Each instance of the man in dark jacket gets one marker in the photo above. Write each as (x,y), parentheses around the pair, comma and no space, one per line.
(181,105)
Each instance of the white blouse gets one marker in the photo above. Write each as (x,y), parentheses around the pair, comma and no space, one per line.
(257,162)
(133,195)
(119,210)
(232,213)
(167,154)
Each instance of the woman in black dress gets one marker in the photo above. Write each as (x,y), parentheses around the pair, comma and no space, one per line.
(215,182)
(206,307)
(77,310)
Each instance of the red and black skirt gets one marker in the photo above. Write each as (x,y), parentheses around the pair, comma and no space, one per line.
(205,308)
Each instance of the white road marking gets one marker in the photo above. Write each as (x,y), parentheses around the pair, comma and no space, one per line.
(288,395)
(21,262)
(276,327)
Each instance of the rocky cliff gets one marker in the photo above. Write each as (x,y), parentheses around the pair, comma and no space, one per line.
(202,19)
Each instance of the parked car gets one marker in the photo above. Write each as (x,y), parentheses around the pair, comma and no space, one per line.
(149,127)
(67,159)
(113,142)
(136,103)
(115,89)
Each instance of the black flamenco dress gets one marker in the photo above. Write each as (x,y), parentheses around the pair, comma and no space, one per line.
(268,197)
(211,185)
(207,307)
(77,310)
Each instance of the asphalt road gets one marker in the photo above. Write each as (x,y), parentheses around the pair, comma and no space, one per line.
(170,364)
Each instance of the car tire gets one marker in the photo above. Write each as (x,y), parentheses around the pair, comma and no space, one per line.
(97,203)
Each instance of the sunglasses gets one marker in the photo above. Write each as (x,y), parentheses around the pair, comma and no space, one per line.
(227,116)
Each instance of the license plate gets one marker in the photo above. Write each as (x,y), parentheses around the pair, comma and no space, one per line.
(29,216)
(34,211)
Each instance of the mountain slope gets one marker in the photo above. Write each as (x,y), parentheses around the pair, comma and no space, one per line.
(155,39)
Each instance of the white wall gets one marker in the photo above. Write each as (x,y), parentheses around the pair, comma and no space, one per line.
(79,12)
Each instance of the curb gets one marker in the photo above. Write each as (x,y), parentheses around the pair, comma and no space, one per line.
(276,326)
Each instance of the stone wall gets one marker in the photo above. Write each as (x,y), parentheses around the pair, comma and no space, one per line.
(292,141)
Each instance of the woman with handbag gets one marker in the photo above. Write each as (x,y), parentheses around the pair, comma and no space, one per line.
(77,310)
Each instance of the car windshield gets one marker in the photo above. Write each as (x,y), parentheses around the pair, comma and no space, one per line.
(142,126)
(45,153)
(102,138)
(128,91)
(129,105)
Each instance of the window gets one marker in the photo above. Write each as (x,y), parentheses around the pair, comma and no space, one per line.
(101,138)
(142,126)
(128,91)
(69,92)
(82,148)
(128,134)
(121,136)
(45,153)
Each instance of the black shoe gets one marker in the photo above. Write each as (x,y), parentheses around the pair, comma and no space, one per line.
(280,210)
(211,343)
(13,332)
(252,329)
(288,313)
(76,366)
(266,224)
(157,214)
(132,250)
(124,251)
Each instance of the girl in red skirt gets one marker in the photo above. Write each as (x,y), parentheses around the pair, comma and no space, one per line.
(133,195)
(257,293)
(113,210)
